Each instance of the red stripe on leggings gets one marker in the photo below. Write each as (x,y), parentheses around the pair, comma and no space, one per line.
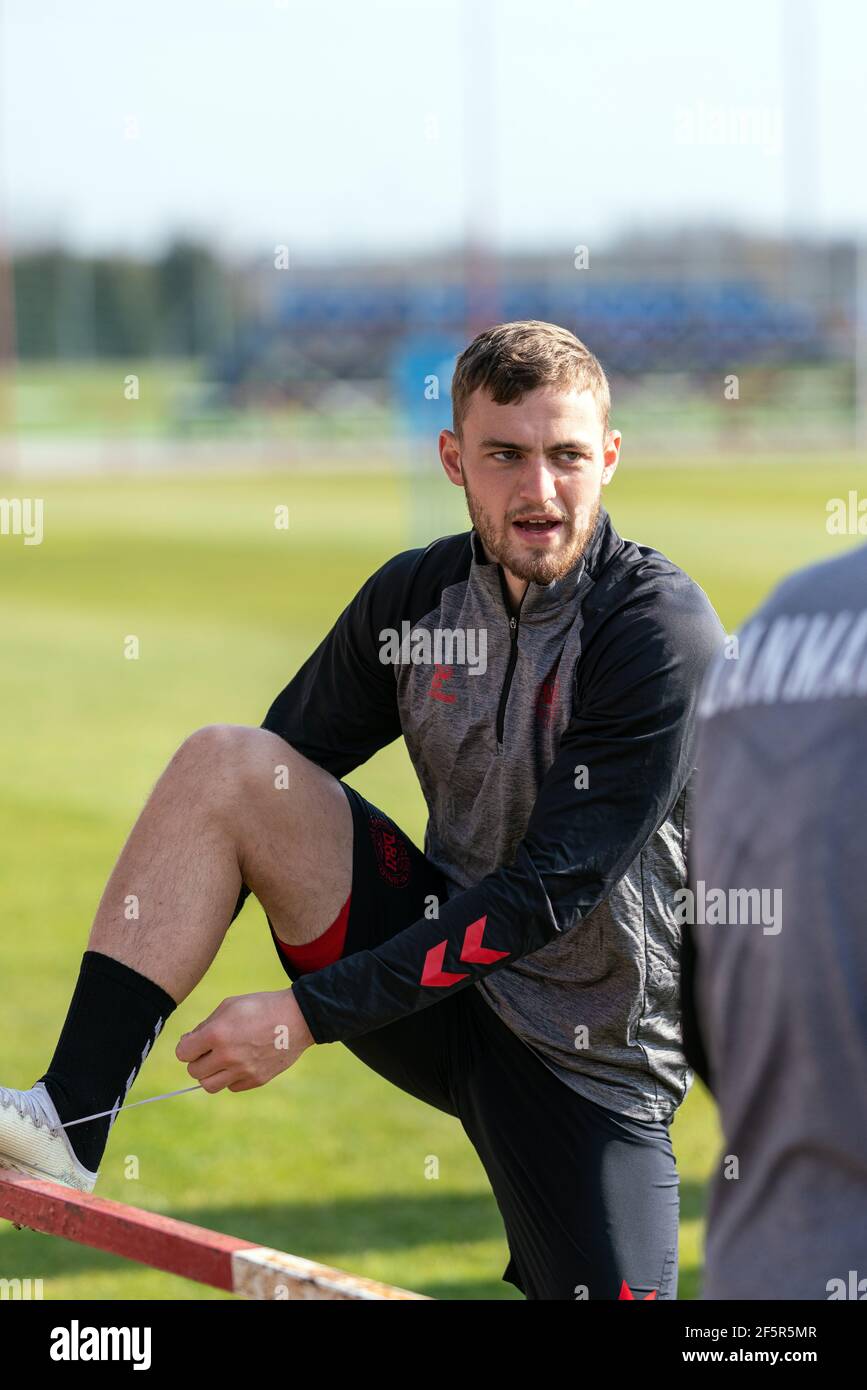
(326,949)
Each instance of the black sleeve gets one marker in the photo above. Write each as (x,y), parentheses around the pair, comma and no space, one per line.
(341,706)
(632,729)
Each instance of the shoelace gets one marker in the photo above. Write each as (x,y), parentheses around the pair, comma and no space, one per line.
(167,1095)
(29,1105)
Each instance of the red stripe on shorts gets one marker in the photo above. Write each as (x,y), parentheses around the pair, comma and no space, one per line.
(326,949)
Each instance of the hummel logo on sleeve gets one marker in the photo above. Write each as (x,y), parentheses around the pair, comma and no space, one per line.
(472,950)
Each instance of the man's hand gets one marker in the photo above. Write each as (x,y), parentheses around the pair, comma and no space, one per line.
(246,1041)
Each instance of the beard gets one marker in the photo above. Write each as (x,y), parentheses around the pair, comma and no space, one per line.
(525,562)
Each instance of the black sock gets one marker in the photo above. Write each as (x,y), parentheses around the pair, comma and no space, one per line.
(114,1019)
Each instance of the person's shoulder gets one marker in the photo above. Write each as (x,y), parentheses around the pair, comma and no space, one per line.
(636,582)
(444,558)
(803,643)
(411,581)
(825,586)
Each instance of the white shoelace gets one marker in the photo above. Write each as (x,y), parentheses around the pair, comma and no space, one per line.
(29,1105)
(167,1095)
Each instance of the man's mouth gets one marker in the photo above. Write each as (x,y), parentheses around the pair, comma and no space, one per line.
(539,525)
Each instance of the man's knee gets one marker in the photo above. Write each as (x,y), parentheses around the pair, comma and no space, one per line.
(235,751)
(240,774)
(276,807)
(226,763)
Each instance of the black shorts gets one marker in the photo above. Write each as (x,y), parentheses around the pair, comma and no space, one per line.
(589,1198)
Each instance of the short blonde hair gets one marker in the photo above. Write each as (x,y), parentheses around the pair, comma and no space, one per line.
(513,358)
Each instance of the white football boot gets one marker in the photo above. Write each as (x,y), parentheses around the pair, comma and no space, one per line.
(33,1141)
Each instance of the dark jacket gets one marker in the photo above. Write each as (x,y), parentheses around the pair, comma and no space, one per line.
(557,785)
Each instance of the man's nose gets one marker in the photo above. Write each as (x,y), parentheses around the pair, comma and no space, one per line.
(538,482)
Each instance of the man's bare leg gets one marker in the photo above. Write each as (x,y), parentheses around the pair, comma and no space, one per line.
(235,804)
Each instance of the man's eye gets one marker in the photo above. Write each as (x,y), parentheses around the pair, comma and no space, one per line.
(571,454)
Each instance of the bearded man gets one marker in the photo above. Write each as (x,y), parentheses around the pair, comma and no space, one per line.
(522,971)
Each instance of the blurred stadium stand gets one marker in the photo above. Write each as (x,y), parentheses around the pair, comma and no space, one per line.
(311,363)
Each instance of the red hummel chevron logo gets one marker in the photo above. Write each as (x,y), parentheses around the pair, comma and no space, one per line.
(472,949)
(626,1292)
(433,973)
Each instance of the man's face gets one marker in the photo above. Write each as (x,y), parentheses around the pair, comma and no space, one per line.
(543,458)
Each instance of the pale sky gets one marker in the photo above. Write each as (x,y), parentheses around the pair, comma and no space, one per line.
(375,126)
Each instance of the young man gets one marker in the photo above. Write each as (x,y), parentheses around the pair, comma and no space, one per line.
(775,976)
(521,973)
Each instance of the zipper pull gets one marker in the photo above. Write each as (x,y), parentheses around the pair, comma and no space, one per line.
(513,623)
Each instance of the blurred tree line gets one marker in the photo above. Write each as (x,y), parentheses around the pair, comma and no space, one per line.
(180,304)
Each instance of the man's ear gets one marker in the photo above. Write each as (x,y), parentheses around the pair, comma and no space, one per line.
(450,457)
(611,456)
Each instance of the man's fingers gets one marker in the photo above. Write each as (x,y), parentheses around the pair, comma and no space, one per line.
(234,1047)
(206,1066)
(219,1081)
(200,1040)
(194,1044)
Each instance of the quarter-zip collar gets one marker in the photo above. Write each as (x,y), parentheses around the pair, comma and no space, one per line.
(542,601)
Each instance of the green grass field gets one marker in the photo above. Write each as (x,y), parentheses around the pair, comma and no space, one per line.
(327,1161)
